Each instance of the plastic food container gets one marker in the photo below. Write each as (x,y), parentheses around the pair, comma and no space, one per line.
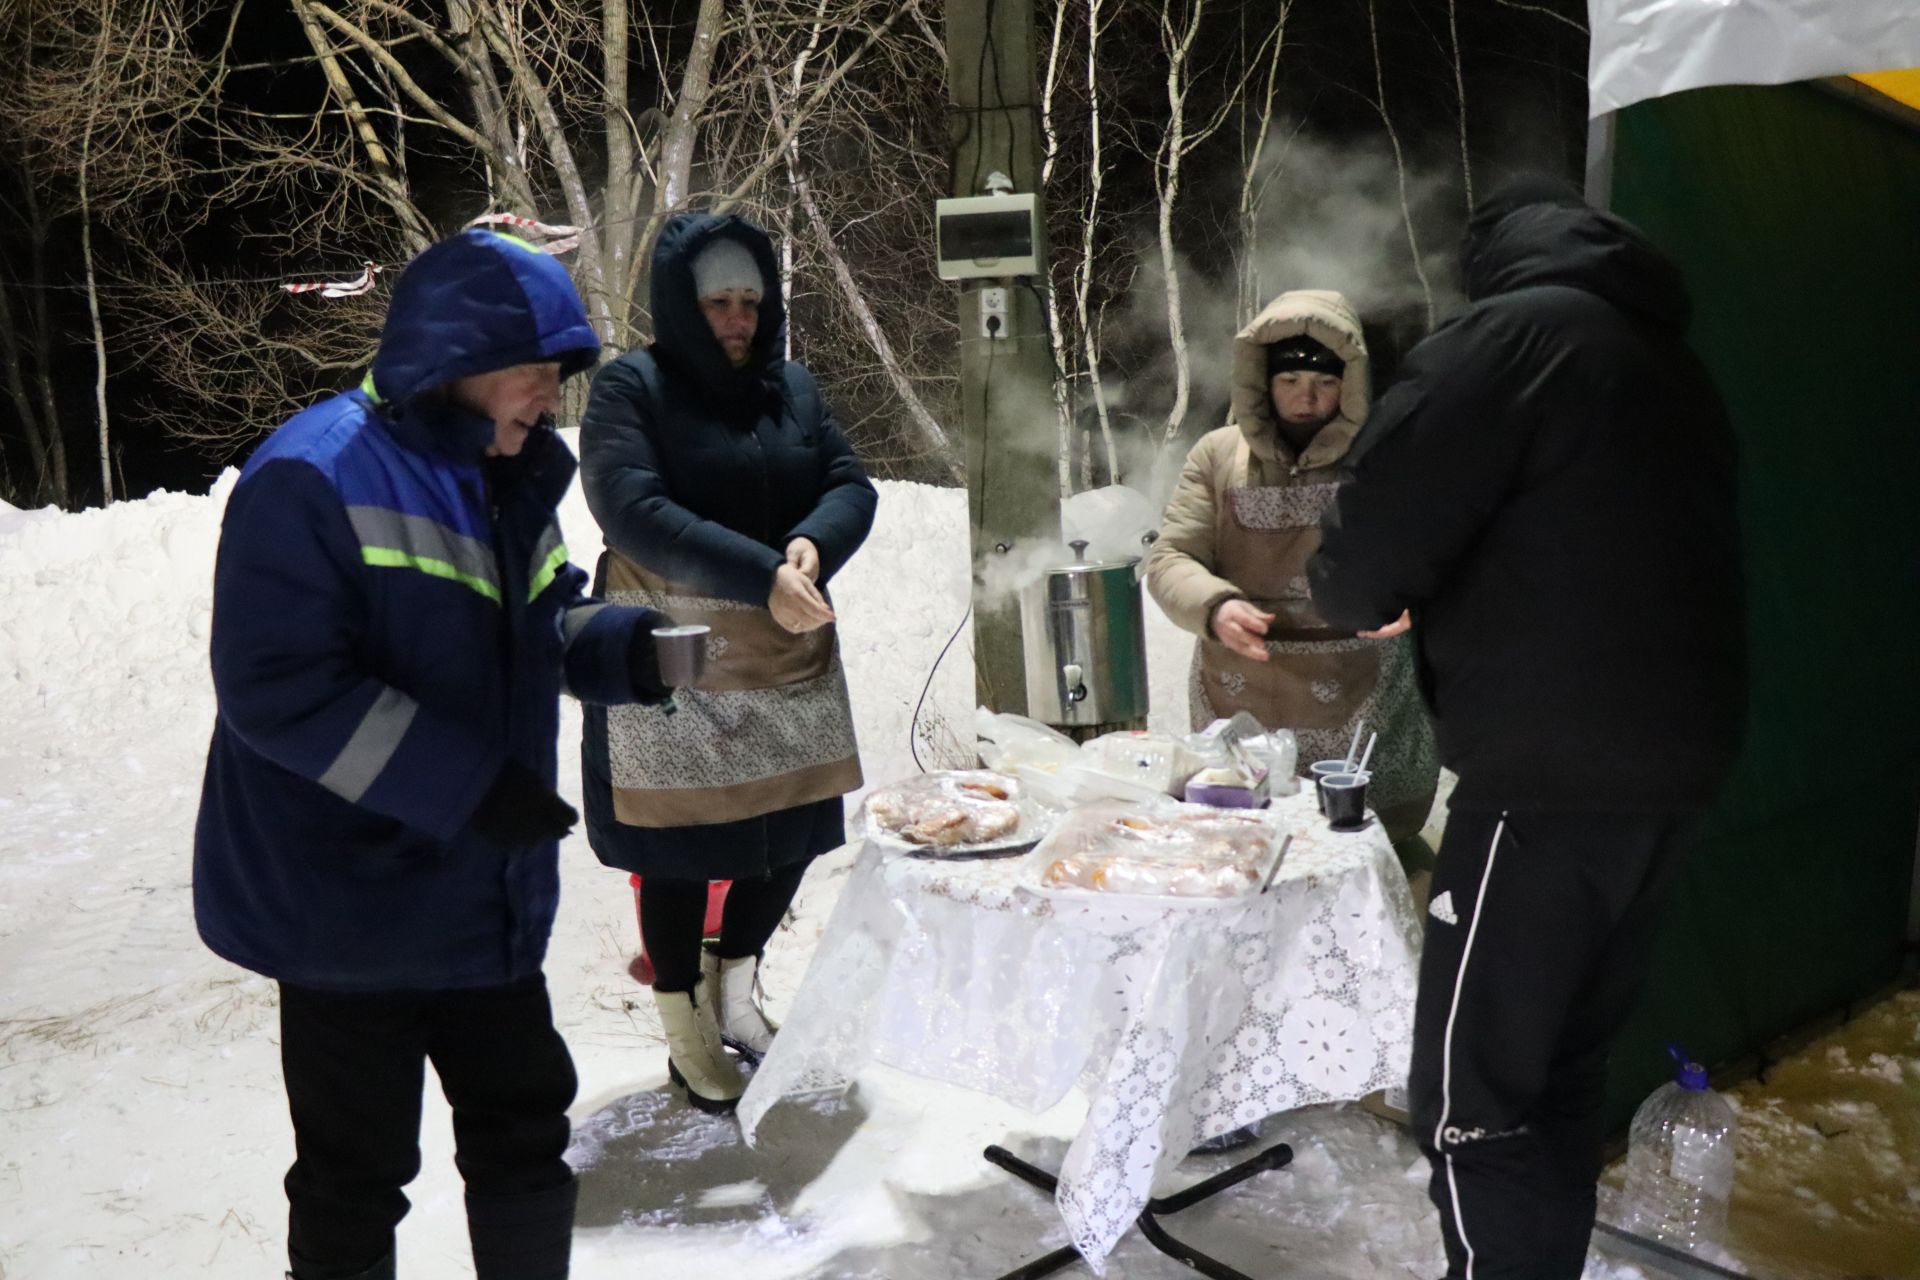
(1171,852)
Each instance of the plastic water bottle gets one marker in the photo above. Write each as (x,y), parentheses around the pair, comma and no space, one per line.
(1680,1162)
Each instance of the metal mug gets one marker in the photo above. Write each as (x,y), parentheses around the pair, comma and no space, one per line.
(681,652)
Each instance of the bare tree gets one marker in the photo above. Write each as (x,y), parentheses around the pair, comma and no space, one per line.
(1085,271)
(400,120)
(1056,336)
(1557,16)
(1181,23)
(1255,174)
(932,437)
(103,98)
(1399,161)
(1460,96)
(26,347)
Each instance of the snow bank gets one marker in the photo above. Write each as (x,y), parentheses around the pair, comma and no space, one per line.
(12,517)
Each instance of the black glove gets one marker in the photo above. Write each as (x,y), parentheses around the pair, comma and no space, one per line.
(643,661)
(519,810)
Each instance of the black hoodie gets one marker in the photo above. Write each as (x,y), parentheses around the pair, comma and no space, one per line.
(1549,485)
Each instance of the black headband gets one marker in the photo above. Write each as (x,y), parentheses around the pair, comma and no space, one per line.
(1302,353)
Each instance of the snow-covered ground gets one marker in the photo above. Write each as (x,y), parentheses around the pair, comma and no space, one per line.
(142,1126)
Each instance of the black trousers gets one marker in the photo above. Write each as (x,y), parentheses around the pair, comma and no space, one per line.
(355,1068)
(1539,934)
(673,915)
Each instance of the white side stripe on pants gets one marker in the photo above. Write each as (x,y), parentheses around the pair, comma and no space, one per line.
(1446,1051)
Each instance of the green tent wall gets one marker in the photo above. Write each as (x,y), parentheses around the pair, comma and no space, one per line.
(1796,216)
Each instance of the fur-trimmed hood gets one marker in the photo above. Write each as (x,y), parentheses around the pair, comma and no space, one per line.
(1328,318)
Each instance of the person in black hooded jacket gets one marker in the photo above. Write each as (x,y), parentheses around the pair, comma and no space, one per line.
(1549,488)
(724,485)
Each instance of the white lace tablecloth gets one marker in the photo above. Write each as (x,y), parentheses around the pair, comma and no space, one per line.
(1179,1022)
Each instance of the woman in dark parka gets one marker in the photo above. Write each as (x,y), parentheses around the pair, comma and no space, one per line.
(729,498)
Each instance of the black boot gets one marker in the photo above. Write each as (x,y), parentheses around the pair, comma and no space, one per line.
(523,1237)
(304,1270)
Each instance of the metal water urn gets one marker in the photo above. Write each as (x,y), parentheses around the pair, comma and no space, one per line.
(1085,643)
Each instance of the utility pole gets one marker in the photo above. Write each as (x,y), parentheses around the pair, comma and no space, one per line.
(1006,380)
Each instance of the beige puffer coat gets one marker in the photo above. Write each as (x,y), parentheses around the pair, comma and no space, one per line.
(1248,451)
(1242,523)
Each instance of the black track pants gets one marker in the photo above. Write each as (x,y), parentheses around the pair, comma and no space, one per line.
(355,1068)
(1539,935)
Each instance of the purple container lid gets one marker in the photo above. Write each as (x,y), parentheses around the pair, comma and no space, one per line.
(1223,797)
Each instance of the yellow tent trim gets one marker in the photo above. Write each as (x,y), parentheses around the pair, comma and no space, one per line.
(1901,86)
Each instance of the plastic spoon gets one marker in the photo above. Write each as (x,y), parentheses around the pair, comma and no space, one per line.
(1278,858)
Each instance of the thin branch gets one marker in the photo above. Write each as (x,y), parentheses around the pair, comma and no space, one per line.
(1460,93)
(804,112)
(391,185)
(1557,16)
(1399,163)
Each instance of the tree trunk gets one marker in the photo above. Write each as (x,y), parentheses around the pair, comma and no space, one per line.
(62,489)
(1083,274)
(590,269)
(1460,92)
(1175,150)
(32,430)
(1056,329)
(617,214)
(418,234)
(1252,184)
(696,82)
(673,184)
(93,313)
(490,107)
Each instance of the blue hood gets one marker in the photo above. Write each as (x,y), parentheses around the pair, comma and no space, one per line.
(682,338)
(477,302)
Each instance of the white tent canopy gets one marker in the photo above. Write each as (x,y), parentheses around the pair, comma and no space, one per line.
(1646,48)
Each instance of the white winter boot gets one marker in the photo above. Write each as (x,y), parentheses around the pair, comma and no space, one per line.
(695,1059)
(744,1025)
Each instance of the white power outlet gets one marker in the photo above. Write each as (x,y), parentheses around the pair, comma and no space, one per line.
(993,312)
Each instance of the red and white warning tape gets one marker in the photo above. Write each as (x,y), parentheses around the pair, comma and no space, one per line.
(338,288)
(566,236)
(562,239)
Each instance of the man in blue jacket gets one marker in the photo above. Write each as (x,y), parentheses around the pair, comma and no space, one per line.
(394,619)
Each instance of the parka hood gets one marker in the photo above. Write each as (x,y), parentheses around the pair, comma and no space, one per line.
(681,336)
(1328,318)
(473,303)
(1538,231)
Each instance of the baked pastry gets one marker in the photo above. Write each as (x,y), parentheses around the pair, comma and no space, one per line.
(945,810)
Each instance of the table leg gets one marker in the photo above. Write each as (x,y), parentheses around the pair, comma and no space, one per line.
(1032,1175)
(1274,1157)
(1207,1266)
(1058,1260)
